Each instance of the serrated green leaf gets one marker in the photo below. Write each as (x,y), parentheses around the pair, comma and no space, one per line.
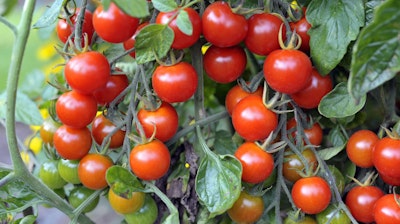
(164,5)
(136,8)
(334,25)
(339,104)
(370,6)
(376,54)
(153,41)
(6,6)
(26,111)
(183,22)
(50,15)
(329,153)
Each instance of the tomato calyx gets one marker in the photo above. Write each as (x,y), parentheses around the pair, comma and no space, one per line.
(277,100)
(370,179)
(293,43)
(392,133)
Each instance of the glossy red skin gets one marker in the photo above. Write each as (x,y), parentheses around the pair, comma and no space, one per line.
(102,127)
(293,165)
(360,147)
(252,120)
(114,86)
(311,95)
(257,164)
(247,208)
(87,72)
(176,83)
(361,201)
(263,32)
(394,181)
(64,30)
(72,143)
(182,40)
(236,94)
(150,161)
(301,27)
(224,65)
(311,194)
(114,25)
(75,109)
(222,27)
(287,71)
(313,133)
(386,157)
(130,43)
(165,119)
(92,170)
(387,210)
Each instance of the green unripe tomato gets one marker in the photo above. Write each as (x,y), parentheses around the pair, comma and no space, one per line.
(147,214)
(50,175)
(331,213)
(305,220)
(79,194)
(69,170)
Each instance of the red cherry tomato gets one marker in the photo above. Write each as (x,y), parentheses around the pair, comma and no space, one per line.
(113,25)
(314,133)
(311,194)
(236,94)
(394,181)
(64,29)
(164,119)
(263,33)
(130,43)
(287,71)
(224,65)
(102,127)
(181,40)
(175,83)
(386,157)
(222,27)
(311,95)
(252,120)
(247,208)
(92,170)
(72,143)
(114,86)
(75,109)
(87,72)
(301,27)
(387,209)
(257,164)
(360,147)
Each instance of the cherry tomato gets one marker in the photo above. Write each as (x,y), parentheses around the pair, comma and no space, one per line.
(236,94)
(130,43)
(64,29)
(175,83)
(222,27)
(87,72)
(263,33)
(301,27)
(333,216)
(147,214)
(75,109)
(123,204)
(314,133)
(386,157)
(394,181)
(181,40)
(247,208)
(92,170)
(252,120)
(311,95)
(360,147)
(293,165)
(361,201)
(311,194)
(114,86)
(80,194)
(102,127)
(164,119)
(72,143)
(50,176)
(257,164)
(68,170)
(387,209)
(113,25)
(47,130)
(224,65)
(150,161)
(287,71)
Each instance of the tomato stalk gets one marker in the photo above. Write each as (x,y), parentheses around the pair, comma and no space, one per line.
(79,25)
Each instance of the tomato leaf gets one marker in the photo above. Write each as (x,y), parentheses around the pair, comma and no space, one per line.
(122,180)
(26,111)
(137,8)
(164,5)
(336,136)
(329,153)
(153,41)
(334,25)
(50,15)
(339,104)
(376,53)
(183,23)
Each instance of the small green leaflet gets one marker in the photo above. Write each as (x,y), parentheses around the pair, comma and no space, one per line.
(50,15)
(135,8)
(329,153)
(164,5)
(183,23)
(122,181)
(376,54)
(26,111)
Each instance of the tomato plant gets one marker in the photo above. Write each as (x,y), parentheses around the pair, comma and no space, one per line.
(72,143)
(64,28)
(92,170)
(102,127)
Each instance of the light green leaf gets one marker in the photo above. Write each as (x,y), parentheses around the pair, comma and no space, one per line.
(339,104)
(136,8)
(6,6)
(183,22)
(122,181)
(26,111)
(50,15)
(329,153)
(334,25)
(164,5)
(376,54)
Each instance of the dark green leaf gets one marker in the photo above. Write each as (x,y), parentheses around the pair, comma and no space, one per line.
(26,110)
(370,6)
(334,25)
(183,22)
(165,5)
(153,41)
(328,153)
(136,8)
(336,136)
(349,170)
(50,15)
(123,181)
(224,143)
(6,6)
(376,53)
(339,104)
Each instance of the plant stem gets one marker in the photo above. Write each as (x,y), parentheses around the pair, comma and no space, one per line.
(197,62)
(9,25)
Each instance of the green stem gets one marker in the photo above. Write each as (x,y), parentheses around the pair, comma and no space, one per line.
(9,25)
(197,62)
(9,177)
(171,207)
